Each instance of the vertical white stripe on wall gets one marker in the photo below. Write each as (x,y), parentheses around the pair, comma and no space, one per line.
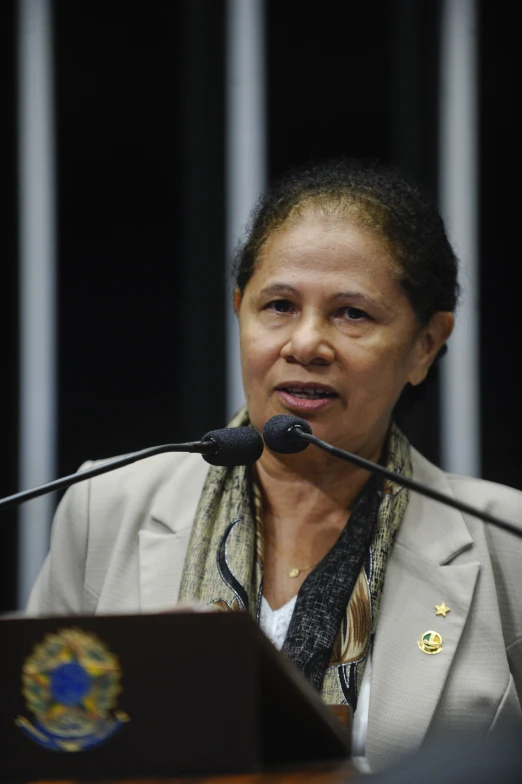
(246,149)
(460,399)
(37,284)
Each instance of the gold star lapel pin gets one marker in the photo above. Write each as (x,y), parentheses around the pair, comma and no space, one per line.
(441,609)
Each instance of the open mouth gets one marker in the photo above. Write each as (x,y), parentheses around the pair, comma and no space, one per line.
(308,393)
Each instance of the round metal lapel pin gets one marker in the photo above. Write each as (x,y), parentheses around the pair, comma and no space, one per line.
(430,642)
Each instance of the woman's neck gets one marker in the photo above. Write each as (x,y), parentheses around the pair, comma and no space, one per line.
(308,489)
(307,501)
(304,513)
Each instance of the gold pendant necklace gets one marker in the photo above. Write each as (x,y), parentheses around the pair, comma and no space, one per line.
(295,571)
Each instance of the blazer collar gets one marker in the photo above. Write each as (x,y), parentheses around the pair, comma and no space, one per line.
(176,502)
(431,529)
(164,539)
(406,684)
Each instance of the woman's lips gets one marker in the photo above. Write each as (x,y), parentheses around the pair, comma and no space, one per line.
(306,398)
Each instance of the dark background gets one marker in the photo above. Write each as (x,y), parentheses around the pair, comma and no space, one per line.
(140,122)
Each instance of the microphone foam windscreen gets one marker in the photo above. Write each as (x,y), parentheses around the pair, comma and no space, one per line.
(281,434)
(234,446)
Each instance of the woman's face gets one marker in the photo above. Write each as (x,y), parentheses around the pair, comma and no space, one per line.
(327,333)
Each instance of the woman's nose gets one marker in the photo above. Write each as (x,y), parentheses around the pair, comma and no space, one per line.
(309,343)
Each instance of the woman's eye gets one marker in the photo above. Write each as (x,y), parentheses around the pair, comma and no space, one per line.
(354,314)
(280,306)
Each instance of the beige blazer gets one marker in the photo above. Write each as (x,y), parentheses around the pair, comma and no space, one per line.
(119,542)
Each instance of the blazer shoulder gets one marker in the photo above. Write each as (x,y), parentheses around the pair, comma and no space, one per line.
(500,500)
(144,480)
(96,527)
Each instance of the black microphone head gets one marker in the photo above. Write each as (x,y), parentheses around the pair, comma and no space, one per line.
(281,434)
(234,446)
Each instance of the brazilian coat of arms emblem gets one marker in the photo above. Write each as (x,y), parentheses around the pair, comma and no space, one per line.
(71,682)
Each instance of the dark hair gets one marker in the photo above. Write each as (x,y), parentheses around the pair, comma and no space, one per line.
(376,196)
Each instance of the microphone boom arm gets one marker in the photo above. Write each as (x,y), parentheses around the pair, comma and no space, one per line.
(200,447)
(403,480)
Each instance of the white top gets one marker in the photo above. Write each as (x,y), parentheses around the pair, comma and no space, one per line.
(275,625)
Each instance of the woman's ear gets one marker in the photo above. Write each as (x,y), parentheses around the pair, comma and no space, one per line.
(237,301)
(430,341)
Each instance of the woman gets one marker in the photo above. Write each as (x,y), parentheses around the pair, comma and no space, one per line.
(345,292)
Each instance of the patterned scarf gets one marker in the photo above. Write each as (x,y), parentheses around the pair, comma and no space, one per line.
(336,611)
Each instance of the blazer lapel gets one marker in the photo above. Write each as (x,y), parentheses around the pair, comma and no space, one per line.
(163,542)
(406,683)
(161,565)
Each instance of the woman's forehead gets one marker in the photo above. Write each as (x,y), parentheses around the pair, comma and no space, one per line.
(326,242)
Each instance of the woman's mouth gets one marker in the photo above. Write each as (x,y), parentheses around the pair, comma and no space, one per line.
(306,398)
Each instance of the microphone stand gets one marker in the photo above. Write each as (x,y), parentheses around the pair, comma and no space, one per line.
(403,480)
(200,447)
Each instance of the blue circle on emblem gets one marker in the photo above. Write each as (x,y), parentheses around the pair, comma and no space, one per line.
(69,683)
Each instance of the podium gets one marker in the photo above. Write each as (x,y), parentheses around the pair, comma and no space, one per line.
(182,694)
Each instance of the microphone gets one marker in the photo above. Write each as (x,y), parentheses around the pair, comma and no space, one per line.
(282,434)
(232,446)
(287,435)
(227,447)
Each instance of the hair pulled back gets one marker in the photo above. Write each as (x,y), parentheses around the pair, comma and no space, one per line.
(374,196)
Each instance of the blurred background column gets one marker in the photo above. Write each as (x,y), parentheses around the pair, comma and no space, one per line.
(458,189)
(37,283)
(245,149)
